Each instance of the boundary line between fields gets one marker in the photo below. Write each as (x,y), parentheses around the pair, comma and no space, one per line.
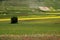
(31,18)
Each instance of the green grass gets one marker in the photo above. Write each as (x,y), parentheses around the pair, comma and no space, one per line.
(30,27)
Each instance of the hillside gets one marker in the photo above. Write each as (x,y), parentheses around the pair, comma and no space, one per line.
(6,4)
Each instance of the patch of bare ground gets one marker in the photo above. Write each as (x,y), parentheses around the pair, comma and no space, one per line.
(30,37)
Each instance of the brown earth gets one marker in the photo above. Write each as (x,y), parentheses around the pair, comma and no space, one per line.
(30,37)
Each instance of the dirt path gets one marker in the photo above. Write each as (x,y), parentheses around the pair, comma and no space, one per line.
(32,18)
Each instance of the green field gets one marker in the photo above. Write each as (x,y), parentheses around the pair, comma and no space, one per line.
(49,26)
(33,23)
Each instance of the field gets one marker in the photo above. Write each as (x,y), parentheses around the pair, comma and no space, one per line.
(32,25)
(38,28)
